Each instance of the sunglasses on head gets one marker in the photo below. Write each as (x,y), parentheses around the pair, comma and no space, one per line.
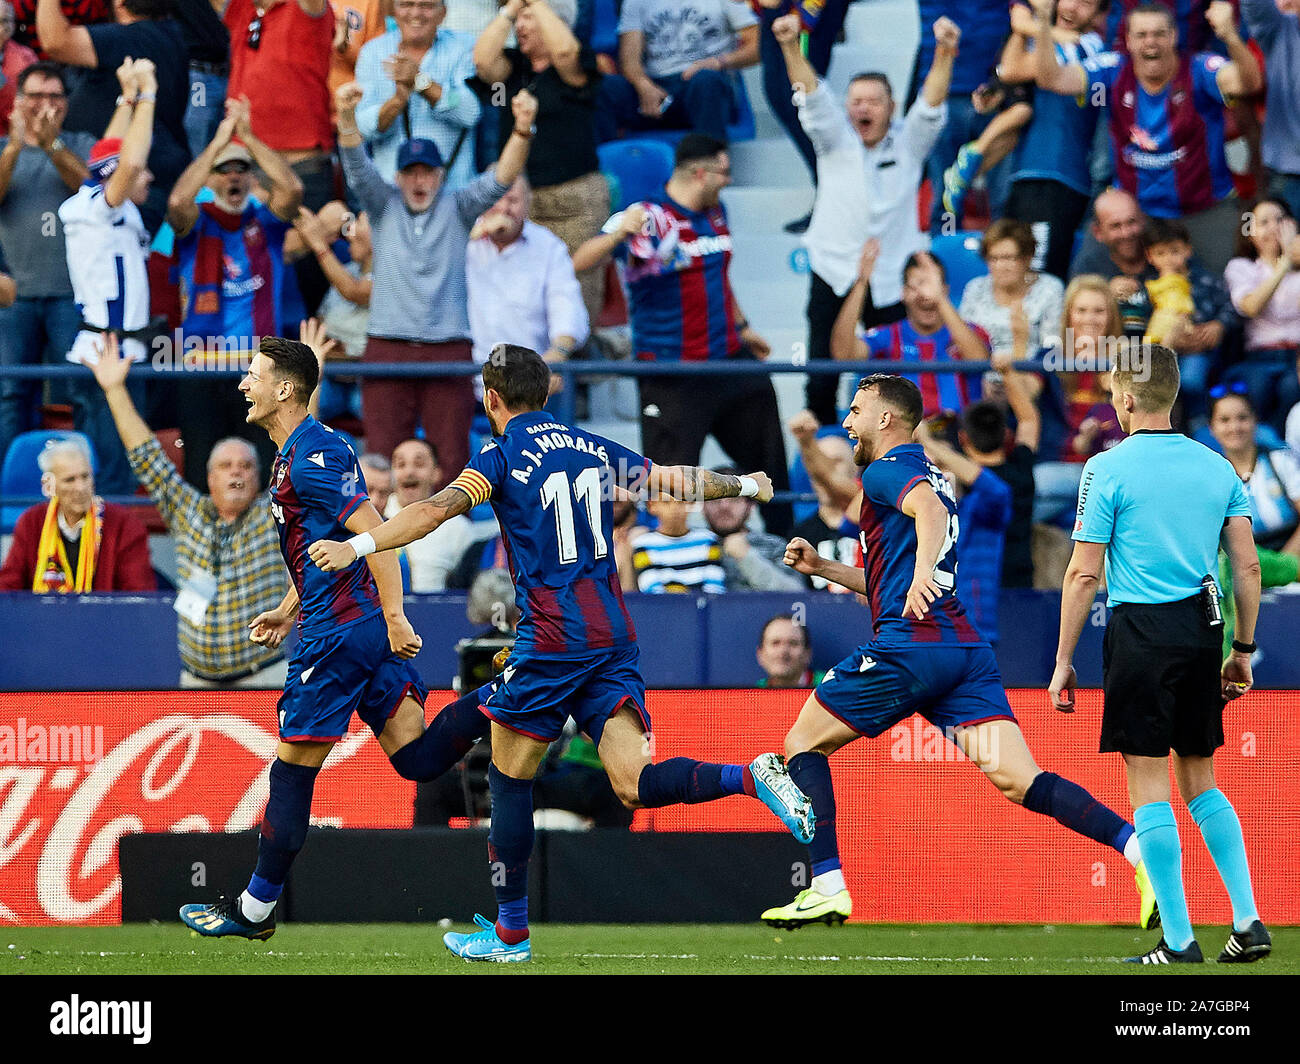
(1234,388)
(235,166)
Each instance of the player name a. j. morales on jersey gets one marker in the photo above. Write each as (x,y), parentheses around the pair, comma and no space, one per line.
(551,436)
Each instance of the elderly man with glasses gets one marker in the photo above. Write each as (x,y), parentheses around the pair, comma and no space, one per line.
(40,167)
(413,88)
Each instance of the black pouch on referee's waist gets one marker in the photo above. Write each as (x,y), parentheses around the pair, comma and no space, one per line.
(1210,602)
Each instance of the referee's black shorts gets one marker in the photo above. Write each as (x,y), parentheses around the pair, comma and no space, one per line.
(1161,681)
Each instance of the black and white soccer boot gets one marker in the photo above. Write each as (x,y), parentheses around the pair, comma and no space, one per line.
(1244,947)
(1163,954)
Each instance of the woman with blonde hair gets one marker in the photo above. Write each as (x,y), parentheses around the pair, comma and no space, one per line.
(1071,383)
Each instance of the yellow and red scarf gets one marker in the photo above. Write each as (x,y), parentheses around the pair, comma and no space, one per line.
(52,572)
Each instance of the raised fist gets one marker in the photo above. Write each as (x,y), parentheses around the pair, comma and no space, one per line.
(802,556)
(786,28)
(803,427)
(524,109)
(126,76)
(1222,20)
(146,75)
(867,260)
(946,33)
(348,97)
(633,220)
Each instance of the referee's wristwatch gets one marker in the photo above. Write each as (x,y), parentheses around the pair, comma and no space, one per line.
(1244,648)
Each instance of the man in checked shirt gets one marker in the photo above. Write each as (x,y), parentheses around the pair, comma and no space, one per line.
(226,543)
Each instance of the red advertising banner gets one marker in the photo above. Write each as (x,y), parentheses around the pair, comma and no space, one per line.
(923,836)
(79,770)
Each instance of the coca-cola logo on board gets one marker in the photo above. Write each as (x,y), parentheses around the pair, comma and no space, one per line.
(60,822)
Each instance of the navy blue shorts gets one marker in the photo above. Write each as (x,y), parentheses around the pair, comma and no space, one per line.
(535,695)
(346,672)
(951,686)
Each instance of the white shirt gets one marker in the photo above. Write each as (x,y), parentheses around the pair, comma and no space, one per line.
(1043,304)
(108,254)
(866,192)
(525,293)
(438,553)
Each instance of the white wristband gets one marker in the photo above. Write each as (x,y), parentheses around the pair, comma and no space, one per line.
(363,544)
(748,487)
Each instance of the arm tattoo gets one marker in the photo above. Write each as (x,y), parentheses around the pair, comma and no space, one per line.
(451,502)
(700,485)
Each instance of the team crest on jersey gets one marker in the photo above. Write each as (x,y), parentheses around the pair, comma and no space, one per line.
(279,474)
(232,268)
(1143,139)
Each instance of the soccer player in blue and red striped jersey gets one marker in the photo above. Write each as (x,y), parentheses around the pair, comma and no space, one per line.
(354,638)
(575,651)
(933,331)
(924,656)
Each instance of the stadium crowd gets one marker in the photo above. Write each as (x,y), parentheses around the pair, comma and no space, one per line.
(418,180)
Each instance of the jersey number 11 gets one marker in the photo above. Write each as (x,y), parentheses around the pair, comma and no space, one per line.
(586,490)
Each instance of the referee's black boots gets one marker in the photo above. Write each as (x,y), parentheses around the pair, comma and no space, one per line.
(1253,944)
(1162,954)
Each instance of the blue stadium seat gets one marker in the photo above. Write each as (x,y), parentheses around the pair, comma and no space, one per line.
(604,28)
(20,474)
(960,255)
(638,167)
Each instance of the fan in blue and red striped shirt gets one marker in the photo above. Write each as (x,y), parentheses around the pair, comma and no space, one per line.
(932,332)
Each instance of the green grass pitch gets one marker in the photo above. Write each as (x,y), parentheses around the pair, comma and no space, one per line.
(605,949)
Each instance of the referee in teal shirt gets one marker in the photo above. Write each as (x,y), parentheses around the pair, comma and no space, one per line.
(1156,507)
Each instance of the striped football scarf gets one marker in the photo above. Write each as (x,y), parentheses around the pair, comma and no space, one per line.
(52,571)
